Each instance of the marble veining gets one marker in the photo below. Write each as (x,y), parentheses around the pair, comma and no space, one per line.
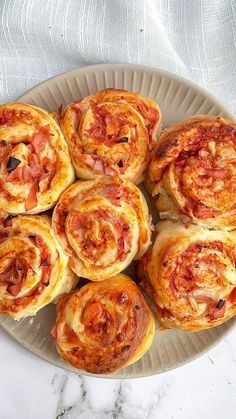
(33,389)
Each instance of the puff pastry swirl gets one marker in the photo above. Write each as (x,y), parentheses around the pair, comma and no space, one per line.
(112,132)
(104,326)
(33,268)
(193,172)
(35,163)
(191,274)
(102,225)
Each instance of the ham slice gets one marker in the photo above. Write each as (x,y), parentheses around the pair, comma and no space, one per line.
(6,276)
(40,139)
(88,160)
(14,289)
(16,175)
(203,212)
(233,296)
(98,166)
(110,172)
(27,174)
(113,125)
(13,276)
(5,151)
(218,313)
(31,201)
(95,131)
(35,165)
(147,112)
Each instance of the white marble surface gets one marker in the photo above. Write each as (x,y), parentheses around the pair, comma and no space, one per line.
(32,389)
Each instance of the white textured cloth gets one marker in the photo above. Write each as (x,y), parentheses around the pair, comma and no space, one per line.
(193,38)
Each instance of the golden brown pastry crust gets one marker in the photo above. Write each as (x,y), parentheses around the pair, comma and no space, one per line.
(102,225)
(191,274)
(104,326)
(35,162)
(193,172)
(33,268)
(112,132)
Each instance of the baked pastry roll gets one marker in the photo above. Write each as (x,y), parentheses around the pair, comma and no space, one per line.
(33,268)
(190,272)
(104,326)
(35,163)
(112,132)
(102,225)
(193,172)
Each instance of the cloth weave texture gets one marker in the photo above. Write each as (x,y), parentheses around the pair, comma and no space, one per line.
(192,38)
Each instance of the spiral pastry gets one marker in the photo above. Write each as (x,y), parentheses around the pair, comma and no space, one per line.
(112,132)
(35,164)
(193,172)
(192,276)
(104,326)
(102,225)
(33,269)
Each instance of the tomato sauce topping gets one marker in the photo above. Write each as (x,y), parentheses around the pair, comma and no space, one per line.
(33,172)
(202,176)
(96,318)
(94,239)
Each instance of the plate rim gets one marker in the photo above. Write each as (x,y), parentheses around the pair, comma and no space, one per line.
(74,370)
(188,83)
(138,67)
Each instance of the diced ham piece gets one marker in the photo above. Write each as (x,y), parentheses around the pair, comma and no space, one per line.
(27,174)
(217,174)
(110,172)
(40,139)
(98,166)
(96,111)
(87,159)
(14,289)
(147,112)
(35,165)
(6,276)
(121,247)
(31,201)
(113,191)
(113,125)
(44,176)
(13,276)
(218,313)
(233,296)
(30,147)
(16,175)
(95,131)
(5,151)
(122,170)
(80,221)
(3,236)
(203,212)
(201,298)
(50,167)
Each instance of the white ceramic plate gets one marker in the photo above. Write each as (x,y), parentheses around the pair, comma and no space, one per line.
(178,99)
